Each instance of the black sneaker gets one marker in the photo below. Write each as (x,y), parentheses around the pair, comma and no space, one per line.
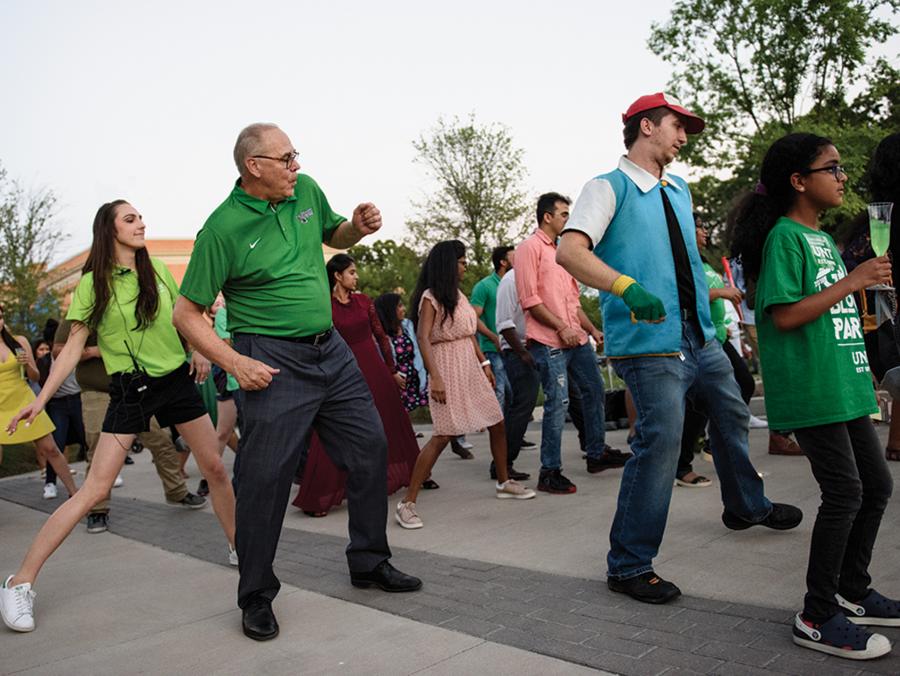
(553,481)
(527,444)
(782,517)
(190,501)
(647,588)
(129,460)
(98,522)
(612,458)
(512,472)
(203,488)
(840,637)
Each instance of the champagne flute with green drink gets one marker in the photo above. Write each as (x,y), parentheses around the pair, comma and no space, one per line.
(880,226)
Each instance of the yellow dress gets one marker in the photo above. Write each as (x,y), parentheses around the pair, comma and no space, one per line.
(14,396)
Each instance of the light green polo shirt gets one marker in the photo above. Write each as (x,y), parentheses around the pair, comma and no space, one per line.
(484,295)
(267,261)
(157,348)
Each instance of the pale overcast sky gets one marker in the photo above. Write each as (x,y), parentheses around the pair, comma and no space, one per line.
(144,100)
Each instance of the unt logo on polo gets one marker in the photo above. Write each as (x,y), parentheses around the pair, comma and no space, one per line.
(305,215)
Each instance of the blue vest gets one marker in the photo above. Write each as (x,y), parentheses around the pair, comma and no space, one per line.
(636,243)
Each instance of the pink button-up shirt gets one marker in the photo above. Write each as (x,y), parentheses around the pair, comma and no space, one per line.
(540,279)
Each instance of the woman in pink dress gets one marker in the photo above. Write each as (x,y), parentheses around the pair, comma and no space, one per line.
(322,484)
(461,387)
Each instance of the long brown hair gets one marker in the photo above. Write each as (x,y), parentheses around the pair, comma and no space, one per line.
(102,260)
(5,334)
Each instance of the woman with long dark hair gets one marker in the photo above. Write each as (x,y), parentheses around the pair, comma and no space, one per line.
(127,298)
(817,383)
(17,366)
(407,356)
(322,484)
(461,388)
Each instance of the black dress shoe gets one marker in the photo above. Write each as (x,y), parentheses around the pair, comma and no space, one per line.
(259,621)
(648,588)
(387,578)
(782,517)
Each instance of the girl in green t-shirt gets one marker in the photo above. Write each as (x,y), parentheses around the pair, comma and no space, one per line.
(817,382)
(127,298)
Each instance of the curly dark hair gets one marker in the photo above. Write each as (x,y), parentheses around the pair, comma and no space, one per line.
(440,273)
(754,214)
(884,171)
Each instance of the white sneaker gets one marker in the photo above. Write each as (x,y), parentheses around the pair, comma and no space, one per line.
(50,491)
(119,481)
(757,423)
(17,606)
(232,556)
(407,517)
(513,490)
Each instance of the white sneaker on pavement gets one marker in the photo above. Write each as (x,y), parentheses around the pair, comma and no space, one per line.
(50,491)
(407,517)
(119,480)
(17,606)
(232,556)
(757,423)
(513,490)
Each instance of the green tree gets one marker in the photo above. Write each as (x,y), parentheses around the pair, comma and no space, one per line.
(747,64)
(478,199)
(386,266)
(28,240)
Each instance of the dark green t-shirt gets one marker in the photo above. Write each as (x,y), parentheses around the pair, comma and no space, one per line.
(267,261)
(817,373)
(484,295)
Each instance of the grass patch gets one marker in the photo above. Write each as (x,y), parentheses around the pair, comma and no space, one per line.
(21,459)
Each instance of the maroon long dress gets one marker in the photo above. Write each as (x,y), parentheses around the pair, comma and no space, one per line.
(322,484)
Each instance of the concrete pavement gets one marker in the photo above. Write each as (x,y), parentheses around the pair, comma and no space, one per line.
(510,587)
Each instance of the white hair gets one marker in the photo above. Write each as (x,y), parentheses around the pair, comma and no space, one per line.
(248,143)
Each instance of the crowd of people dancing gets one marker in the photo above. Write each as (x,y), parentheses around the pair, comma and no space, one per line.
(320,380)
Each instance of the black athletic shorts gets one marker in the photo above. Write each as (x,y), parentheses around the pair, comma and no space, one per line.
(134,398)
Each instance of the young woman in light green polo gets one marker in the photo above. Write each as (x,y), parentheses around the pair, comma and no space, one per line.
(127,298)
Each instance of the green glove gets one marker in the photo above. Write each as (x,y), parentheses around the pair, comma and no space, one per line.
(644,305)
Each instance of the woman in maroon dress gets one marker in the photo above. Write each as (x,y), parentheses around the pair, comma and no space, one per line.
(321,483)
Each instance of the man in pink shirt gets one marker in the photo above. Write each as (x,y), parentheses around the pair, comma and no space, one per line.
(557,331)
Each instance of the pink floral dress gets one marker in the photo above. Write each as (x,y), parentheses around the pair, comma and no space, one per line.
(471,404)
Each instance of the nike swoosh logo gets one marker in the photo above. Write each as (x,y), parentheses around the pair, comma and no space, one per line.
(253,246)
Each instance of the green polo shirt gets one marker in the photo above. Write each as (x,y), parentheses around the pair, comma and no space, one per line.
(484,295)
(267,261)
(157,348)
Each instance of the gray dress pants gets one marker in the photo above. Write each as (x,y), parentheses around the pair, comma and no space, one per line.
(319,387)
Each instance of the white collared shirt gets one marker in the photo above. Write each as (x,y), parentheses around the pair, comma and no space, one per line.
(596,205)
(509,311)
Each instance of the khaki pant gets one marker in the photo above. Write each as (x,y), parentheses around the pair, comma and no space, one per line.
(158,441)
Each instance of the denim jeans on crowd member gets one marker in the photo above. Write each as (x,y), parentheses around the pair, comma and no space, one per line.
(659,386)
(849,464)
(557,365)
(501,381)
(524,381)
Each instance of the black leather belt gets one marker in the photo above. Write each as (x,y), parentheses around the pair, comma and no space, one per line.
(314,339)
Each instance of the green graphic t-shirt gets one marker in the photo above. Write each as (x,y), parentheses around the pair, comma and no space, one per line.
(717,306)
(817,373)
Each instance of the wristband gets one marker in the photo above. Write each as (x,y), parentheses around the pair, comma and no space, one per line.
(486,362)
(621,285)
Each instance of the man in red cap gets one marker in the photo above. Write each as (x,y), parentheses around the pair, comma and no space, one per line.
(631,235)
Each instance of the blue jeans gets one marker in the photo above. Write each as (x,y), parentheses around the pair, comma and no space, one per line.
(659,386)
(501,382)
(557,365)
(524,382)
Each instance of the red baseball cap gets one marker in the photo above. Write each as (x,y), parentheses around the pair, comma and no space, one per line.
(692,123)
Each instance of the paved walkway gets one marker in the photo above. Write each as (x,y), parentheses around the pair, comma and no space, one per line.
(510,588)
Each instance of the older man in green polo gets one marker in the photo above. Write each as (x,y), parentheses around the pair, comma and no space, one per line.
(262,247)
